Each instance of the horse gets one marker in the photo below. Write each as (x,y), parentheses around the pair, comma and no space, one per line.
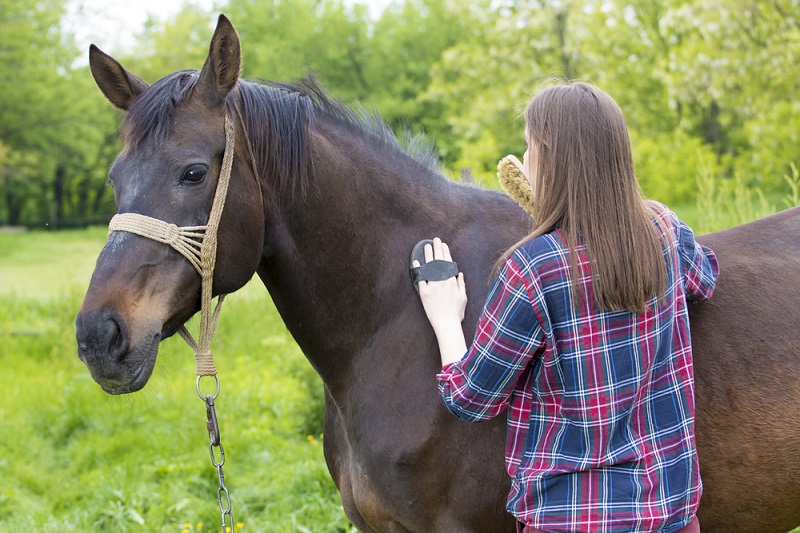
(325,206)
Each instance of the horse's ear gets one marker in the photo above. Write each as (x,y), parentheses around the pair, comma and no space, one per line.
(118,85)
(224,63)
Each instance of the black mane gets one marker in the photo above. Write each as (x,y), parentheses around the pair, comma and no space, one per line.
(363,121)
(277,117)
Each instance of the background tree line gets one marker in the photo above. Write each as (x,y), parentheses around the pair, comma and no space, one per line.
(708,86)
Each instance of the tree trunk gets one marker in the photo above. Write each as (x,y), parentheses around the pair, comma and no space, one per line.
(12,201)
(561,32)
(57,208)
(83,196)
(712,129)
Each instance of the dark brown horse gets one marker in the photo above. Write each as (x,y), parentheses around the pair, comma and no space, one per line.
(328,230)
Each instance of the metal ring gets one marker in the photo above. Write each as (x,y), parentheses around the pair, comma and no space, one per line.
(199,392)
(222,508)
(214,457)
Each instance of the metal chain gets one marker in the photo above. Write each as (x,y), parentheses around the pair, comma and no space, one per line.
(223,496)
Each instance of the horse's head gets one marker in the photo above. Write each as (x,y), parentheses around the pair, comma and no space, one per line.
(143,291)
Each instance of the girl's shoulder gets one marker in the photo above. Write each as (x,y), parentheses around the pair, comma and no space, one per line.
(545,249)
(665,220)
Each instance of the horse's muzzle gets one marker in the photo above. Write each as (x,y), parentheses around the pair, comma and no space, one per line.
(104,345)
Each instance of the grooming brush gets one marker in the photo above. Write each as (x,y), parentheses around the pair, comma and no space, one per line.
(514,183)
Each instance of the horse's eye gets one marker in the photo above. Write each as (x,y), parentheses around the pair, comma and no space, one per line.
(195,174)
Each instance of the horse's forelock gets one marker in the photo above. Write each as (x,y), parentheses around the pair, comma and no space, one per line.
(150,114)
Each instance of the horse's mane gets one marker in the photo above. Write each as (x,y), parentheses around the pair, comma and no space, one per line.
(365,121)
(278,118)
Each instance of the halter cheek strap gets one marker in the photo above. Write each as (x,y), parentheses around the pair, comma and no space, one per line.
(198,244)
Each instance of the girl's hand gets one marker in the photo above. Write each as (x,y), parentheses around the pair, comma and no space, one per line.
(444,301)
(522,166)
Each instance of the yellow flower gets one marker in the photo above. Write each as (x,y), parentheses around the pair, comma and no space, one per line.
(187,525)
(184,531)
(239,526)
(199,525)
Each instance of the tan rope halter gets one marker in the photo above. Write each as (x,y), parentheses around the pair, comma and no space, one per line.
(198,244)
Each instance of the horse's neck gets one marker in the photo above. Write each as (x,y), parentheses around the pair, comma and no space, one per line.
(338,260)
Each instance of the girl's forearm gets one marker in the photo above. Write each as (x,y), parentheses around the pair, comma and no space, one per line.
(452,345)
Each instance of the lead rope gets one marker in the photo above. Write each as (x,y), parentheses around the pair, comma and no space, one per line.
(198,244)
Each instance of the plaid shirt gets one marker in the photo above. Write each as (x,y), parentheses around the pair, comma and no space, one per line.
(600,404)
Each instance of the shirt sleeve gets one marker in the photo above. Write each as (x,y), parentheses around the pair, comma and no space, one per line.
(699,263)
(509,334)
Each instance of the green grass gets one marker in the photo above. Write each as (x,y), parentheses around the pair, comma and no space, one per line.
(40,265)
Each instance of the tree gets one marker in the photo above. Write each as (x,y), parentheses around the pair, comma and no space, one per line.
(284,40)
(30,54)
(735,79)
(484,81)
(707,87)
(18,178)
(48,115)
(166,46)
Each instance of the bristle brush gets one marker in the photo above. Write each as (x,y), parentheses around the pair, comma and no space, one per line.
(514,182)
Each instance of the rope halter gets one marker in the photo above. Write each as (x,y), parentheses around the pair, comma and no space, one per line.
(198,244)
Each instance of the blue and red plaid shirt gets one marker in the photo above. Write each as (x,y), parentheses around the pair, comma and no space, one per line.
(600,404)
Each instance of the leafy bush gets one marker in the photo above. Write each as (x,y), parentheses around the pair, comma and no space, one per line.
(667,166)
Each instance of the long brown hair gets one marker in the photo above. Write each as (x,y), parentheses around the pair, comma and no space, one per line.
(585,186)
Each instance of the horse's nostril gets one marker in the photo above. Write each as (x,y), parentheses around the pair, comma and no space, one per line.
(117,339)
(101,336)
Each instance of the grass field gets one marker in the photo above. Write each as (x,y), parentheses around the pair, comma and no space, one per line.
(76,459)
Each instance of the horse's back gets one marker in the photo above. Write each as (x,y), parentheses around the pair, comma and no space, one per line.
(776,234)
(746,343)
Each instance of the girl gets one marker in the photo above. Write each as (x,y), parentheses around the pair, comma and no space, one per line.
(584,337)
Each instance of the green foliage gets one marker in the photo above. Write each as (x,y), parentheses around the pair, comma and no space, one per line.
(793,180)
(722,204)
(285,39)
(185,36)
(694,78)
(19,180)
(703,84)
(664,160)
(52,115)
